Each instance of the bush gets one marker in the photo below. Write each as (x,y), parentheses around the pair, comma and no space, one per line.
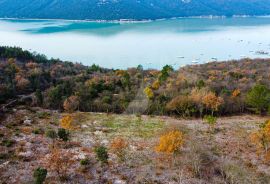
(210,120)
(40,175)
(85,162)
(102,154)
(170,142)
(259,98)
(51,134)
(37,131)
(182,105)
(63,134)
(118,146)
(8,143)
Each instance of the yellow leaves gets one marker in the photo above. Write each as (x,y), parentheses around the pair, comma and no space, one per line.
(156,85)
(120,73)
(212,101)
(149,92)
(170,142)
(67,122)
(236,93)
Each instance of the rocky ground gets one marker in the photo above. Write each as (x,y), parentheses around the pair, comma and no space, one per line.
(225,155)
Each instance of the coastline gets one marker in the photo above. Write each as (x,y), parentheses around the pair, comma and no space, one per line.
(137,20)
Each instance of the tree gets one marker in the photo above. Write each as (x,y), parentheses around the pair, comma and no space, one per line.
(71,104)
(165,73)
(259,98)
(261,139)
(212,101)
(182,105)
(197,95)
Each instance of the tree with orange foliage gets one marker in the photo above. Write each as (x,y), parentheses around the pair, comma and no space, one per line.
(119,146)
(261,139)
(236,93)
(71,104)
(212,101)
(170,142)
(197,96)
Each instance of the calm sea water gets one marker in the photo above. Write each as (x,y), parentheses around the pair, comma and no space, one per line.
(153,44)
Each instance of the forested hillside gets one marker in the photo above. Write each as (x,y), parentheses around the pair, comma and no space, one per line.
(217,88)
(129,9)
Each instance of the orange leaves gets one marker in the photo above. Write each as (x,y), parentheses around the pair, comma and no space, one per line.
(170,142)
(236,93)
(261,139)
(119,146)
(67,122)
(60,161)
(212,101)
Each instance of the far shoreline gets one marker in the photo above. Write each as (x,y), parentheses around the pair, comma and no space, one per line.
(137,20)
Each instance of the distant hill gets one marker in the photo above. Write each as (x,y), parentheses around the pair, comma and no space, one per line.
(129,9)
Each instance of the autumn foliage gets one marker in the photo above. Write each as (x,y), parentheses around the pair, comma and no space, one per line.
(67,122)
(71,104)
(212,101)
(170,142)
(119,146)
(261,139)
(60,161)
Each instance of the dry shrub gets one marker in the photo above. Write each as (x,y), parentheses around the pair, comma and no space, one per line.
(26,130)
(119,146)
(60,161)
(233,172)
(170,142)
(71,104)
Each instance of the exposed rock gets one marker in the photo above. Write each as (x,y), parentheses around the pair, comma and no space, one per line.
(27,121)
(119,182)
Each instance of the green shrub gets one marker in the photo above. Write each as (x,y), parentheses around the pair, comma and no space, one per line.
(51,134)
(85,162)
(37,131)
(40,175)
(8,143)
(102,154)
(63,134)
(211,120)
(3,156)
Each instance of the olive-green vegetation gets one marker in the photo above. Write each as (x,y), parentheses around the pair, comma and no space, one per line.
(218,88)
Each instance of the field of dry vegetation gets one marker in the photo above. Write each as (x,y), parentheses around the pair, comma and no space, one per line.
(110,148)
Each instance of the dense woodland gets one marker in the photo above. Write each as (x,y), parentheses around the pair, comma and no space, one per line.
(216,88)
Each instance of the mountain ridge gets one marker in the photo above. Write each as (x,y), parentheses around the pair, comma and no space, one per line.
(129,9)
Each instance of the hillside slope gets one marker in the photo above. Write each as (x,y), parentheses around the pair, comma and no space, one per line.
(129,9)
